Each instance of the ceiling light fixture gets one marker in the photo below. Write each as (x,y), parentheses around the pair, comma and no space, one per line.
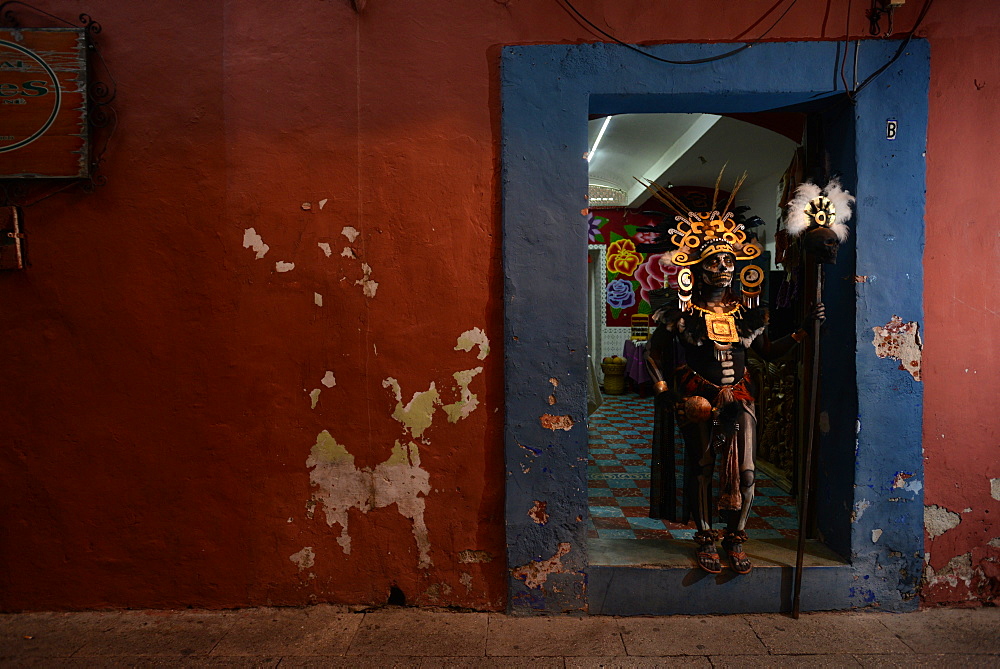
(590,154)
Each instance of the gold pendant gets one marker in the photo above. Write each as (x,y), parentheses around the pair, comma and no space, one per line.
(721,328)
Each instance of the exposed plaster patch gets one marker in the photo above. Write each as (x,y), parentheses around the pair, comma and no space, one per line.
(470,556)
(876,535)
(314,397)
(282,266)
(322,203)
(348,252)
(959,568)
(467,401)
(994,542)
(552,400)
(435,590)
(900,341)
(418,413)
(859,509)
(317,299)
(251,240)
(369,287)
(327,251)
(465,578)
(995,489)
(537,513)
(328,380)
(550,422)
(938,520)
(554,381)
(304,559)
(536,572)
(900,480)
(350,233)
(860,278)
(306,206)
(399,480)
(474,337)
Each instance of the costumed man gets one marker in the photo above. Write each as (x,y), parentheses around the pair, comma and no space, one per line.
(697,358)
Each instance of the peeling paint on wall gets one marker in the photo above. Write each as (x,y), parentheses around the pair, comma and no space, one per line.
(327,251)
(537,513)
(418,413)
(304,559)
(959,568)
(550,422)
(399,480)
(470,556)
(900,341)
(467,401)
(995,489)
(348,252)
(350,233)
(465,578)
(876,535)
(859,509)
(368,286)
(314,397)
(474,337)
(317,299)
(322,203)
(282,266)
(938,520)
(251,240)
(536,572)
(329,380)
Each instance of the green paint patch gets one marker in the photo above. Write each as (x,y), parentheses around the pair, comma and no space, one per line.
(474,337)
(467,401)
(326,450)
(419,413)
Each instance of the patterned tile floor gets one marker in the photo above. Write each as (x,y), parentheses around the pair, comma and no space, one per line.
(620,435)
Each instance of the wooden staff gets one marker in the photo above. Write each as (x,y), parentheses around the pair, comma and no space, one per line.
(810,446)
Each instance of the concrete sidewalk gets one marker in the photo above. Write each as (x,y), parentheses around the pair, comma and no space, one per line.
(328,636)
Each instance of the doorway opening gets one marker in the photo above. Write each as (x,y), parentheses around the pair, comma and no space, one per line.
(870,428)
(692,154)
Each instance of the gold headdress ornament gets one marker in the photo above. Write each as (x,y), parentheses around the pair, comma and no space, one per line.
(700,234)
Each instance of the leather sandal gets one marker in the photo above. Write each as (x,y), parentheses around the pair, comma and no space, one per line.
(733,543)
(707,553)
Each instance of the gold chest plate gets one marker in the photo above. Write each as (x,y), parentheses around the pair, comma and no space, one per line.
(721,328)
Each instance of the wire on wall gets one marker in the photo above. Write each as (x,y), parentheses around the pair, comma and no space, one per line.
(899,52)
(697,61)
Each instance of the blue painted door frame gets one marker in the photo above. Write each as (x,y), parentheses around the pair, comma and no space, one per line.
(547,92)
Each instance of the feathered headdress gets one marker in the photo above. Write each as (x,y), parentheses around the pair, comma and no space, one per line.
(697,235)
(813,207)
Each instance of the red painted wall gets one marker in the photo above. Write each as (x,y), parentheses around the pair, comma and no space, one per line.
(157,375)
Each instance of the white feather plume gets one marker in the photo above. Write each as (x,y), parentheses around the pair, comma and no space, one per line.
(796,223)
(843,205)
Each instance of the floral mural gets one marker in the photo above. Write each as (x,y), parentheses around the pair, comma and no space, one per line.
(627,283)
(622,257)
(621,294)
(630,275)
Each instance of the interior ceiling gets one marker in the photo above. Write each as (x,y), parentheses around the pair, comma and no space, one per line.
(683,150)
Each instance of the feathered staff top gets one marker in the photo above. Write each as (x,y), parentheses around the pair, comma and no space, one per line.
(813,207)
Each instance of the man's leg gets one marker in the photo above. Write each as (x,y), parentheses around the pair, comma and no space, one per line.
(736,521)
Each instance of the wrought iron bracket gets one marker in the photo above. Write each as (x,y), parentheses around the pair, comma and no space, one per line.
(102,117)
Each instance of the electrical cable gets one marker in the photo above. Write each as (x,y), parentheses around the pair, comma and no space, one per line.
(899,51)
(697,61)
(847,37)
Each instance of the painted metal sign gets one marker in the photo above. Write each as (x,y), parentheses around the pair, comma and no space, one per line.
(43,103)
